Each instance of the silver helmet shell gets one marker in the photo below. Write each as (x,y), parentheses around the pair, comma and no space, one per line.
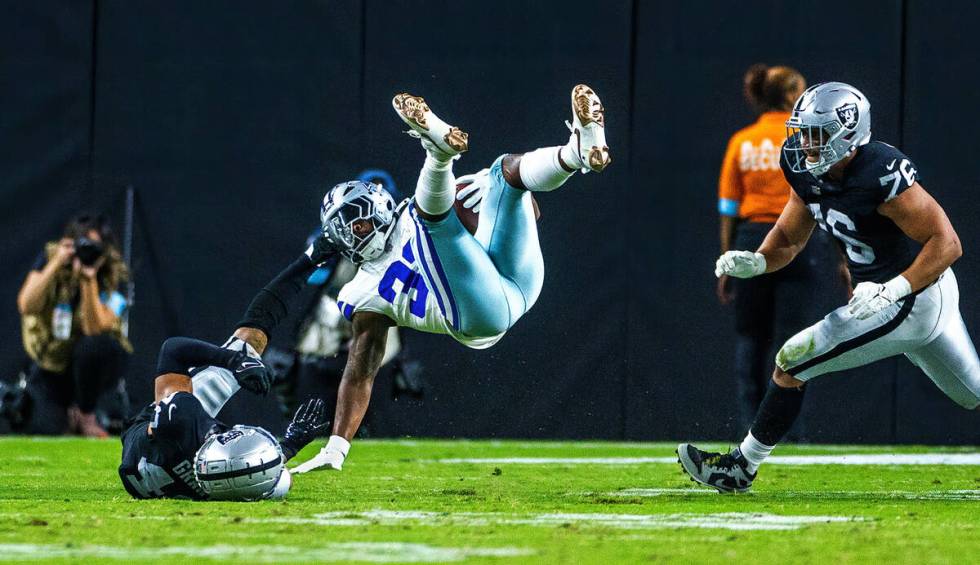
(832,117)
(243,463)
(348,202)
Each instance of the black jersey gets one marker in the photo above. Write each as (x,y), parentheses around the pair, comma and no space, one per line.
(877,249)
(162,465)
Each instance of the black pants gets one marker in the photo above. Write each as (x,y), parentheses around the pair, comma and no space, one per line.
(771,308)
(97,364)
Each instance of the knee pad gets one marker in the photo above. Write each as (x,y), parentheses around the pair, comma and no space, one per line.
(795,349)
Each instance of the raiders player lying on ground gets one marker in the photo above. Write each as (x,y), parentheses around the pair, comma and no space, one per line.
(175,447)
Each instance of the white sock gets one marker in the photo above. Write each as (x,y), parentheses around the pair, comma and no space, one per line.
(435,191)
(337,443)
(754,451)
(541,171)
(569,153)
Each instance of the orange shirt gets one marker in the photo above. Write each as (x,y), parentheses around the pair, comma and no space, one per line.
(752,185)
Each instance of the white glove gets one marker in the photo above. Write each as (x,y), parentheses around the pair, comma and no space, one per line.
(740,264)
(332,457)
(475,190)
(870,298)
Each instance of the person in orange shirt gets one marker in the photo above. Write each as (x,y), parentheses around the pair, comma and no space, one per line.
(751,194)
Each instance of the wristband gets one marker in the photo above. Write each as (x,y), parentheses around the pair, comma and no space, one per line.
(898,287)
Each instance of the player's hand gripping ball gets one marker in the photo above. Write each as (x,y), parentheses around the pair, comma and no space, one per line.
(471,192)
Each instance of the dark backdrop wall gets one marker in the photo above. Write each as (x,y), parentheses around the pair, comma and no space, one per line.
(231,120)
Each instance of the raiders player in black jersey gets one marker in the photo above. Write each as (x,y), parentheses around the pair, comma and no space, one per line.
(867,195)
(162,447)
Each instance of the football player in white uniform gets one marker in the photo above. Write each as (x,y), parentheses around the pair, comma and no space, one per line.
(419,266)
(867,195)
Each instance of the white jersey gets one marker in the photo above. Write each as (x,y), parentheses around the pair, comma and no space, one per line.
(398,286)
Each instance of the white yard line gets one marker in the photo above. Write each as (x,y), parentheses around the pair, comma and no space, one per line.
(831,494)
(375,552)
(724,521)
(848,459)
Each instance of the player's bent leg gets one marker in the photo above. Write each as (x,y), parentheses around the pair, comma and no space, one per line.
(509,233)
(840,341)
(435,191)
(951,362)
(837,342)
(475,299)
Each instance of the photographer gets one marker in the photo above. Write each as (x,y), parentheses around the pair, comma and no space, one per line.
(71,327)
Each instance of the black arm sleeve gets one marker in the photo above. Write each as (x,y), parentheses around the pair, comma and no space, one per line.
(179,354)
(268,308)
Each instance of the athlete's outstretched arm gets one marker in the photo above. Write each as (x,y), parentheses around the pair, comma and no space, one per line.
(366,352)
(270,305)
(918,214)
(789,236)
(264,313)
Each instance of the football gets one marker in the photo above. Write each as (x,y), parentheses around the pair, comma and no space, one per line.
(471,219)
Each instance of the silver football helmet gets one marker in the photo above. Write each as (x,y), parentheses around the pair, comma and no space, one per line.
(243,463)
(349,202)
(833,118)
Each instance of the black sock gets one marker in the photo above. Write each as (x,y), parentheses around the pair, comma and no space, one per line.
(179,354)
(776,414)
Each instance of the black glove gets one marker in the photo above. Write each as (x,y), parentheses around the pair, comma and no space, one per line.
(323,250)
(251,373)
(309,422)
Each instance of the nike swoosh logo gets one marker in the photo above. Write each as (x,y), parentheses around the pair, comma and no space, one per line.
(891,165)
(248,365)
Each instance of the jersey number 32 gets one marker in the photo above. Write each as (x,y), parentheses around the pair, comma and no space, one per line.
(410,279)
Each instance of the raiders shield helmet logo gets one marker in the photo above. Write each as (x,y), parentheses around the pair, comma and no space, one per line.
(848,114)
(227,437)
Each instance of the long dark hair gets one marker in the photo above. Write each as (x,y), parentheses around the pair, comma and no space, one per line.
(113,271)
(82,224)
(771,89)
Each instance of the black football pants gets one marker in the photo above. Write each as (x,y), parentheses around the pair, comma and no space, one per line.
(97,364)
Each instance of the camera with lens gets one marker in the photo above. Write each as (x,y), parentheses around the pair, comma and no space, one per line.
(88,251)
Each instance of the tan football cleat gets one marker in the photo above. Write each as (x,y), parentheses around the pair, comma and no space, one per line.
(588,127)
(441,137)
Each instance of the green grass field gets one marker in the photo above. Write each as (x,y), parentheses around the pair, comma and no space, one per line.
(421,501)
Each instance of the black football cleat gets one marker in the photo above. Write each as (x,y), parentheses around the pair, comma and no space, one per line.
(726,472)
